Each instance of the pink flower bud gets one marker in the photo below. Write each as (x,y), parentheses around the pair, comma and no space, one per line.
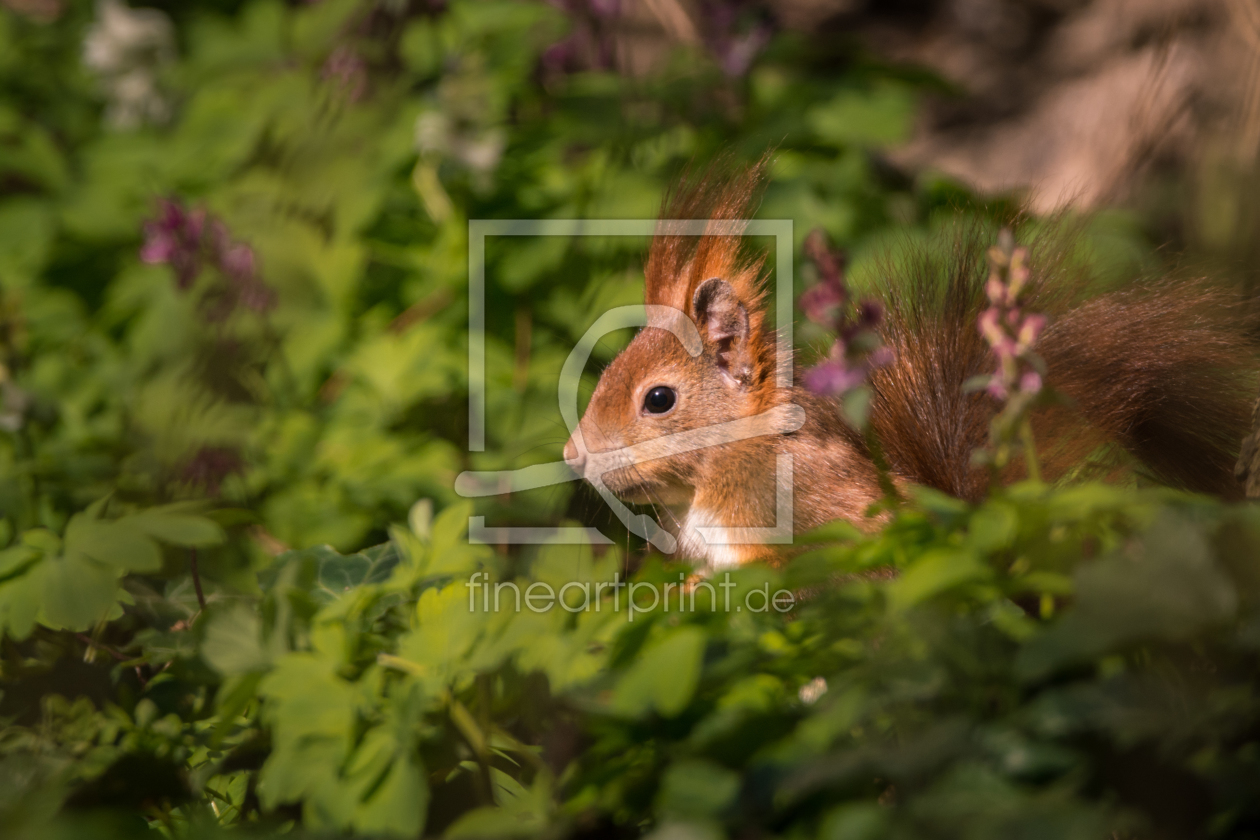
(1030,330)
(238,262)
(881,356)
(157,248)
(990,326)
(996,290)
(833,378)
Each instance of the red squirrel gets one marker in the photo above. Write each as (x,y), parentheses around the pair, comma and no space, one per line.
(1162,371)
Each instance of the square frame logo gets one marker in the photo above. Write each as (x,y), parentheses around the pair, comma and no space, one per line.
(778,420)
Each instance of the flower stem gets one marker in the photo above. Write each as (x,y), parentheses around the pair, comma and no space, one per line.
(196,577)
(1030,450)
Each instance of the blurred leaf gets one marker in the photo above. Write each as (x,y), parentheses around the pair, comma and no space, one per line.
(664,675)
(935,571)
(1169,591)
(696,789)
(881,116)
(233,641)
(177,528)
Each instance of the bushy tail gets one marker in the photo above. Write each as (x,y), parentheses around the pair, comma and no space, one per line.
(1164,371)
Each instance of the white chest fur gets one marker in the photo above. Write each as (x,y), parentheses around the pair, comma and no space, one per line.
(703,535)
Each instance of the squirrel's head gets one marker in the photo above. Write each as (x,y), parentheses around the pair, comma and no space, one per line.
(629,438)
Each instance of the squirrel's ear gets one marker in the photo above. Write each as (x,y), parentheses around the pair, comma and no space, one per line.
(723,321)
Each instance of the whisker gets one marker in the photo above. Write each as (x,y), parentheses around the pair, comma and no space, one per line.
(536,447)
(627,464)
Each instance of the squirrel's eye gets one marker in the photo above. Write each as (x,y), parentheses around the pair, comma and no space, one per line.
(659,400)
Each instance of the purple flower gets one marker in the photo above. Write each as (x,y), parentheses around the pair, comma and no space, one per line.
(237,262)
(210,465)
(160,240)
(1010,333)
(820,302)
(1030,330)
(735,31)
(857,349)
(829,262)
(591,41)
(561,57)
(991,326)
(881,356)
(256,295)
(192,240)
(174,238)
(737,55)
(870,314)
(347,70)
(833,377)
(996,290)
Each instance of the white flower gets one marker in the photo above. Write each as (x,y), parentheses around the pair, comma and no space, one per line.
(812,690)
(478,149)
(433,133)
(481,153)
(125,47)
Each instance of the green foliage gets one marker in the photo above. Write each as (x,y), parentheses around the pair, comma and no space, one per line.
(1071,661)
(74,582)
(1066,662)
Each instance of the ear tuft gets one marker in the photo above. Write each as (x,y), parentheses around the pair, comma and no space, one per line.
(720,198)
(723,321)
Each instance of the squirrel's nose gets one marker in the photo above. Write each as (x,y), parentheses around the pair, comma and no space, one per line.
(573,456)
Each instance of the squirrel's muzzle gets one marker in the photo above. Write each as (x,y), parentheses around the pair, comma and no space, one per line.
(575,456)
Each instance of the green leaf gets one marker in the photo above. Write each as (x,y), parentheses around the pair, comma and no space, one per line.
(233,642)
(1170,589)
(309,698)
(854,821)
(837,531)
(419,48)
(178,528)
(523,815)
(936,571)
(338,573)
(696,789)
(399,804)
(118,543)
(663,677)
(448,626)
(20,601)
(945,506)
(449,526)
(76,591)
(16,561)
(993,527)
(494,822)
(42,540)
(879,116)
